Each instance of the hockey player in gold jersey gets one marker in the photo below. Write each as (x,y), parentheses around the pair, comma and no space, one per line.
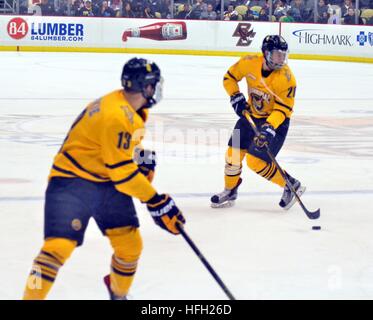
(99,168)
(271,92)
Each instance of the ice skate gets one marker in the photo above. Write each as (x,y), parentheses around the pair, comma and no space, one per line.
(288,198)
(111,293)
(225,199)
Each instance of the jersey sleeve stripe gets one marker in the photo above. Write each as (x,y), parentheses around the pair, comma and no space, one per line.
(283,105)
(132,175)
(77,165)
(231,75)
(63,170)
(118,165)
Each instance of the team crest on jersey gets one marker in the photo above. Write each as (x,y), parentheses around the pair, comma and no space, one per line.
(129,114)
(258,98)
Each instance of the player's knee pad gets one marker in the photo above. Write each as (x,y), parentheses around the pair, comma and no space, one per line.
(126,242)
(233,161)
(232,170)
(59,248)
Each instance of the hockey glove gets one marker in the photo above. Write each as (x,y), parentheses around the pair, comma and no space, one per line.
(165,213)
(239,103)
(146,161)
(265,136)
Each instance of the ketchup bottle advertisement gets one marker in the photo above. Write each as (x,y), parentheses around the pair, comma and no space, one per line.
(160,31)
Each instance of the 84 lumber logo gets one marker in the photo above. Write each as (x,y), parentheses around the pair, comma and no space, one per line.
(246,35)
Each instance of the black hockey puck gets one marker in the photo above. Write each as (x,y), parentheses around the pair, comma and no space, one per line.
(316,228)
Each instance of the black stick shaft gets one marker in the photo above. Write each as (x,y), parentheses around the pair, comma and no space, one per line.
(205,262)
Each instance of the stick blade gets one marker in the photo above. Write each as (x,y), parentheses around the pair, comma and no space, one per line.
(313,215)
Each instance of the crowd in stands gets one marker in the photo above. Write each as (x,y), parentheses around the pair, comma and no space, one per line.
(323,11)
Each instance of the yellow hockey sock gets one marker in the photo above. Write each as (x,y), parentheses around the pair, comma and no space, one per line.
(127,245)
(52,256)
(266,170)
(233,166)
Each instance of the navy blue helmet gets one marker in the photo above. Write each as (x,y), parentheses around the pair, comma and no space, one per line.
(270,44)
(138,74)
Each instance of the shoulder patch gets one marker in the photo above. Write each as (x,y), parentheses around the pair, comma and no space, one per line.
(288,74)
(128,113)
(94,107)
(249,57)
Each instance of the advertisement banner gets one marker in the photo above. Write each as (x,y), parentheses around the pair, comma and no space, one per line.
(74,32)
(329,40)
(307,41)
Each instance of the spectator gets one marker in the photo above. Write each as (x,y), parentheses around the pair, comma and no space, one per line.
(147,13)
(217,6)
(344,8)
(324,18)
(350,18)
(127,11)
(208,13)
(197,9)
(138,9)
(334,18)
(230,14)
(249,16)
(266,7)
(304,12)
(47,9)
(105,10)
(322,12)
(295,14)
(184,12)
(290,15)
(280,9)
(263,16)
(165,9)
(77,5)
(86,10)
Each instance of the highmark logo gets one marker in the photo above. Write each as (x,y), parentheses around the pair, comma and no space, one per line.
(71,32)
(317,37)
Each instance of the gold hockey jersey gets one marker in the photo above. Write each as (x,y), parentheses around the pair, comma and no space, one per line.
(100,146)
(270,97)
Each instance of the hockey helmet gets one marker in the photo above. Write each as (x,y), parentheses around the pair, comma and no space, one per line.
(138,74)
(271,44)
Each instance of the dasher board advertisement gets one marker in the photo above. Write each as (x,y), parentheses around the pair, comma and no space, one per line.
(75,32)
(329,40)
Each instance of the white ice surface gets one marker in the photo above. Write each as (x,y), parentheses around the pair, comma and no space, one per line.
(260,251)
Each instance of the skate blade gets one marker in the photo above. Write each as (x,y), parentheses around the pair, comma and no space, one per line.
(226,204)
(292,202)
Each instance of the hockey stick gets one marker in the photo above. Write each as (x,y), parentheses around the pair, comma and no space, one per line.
(204,261)
(310,214)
